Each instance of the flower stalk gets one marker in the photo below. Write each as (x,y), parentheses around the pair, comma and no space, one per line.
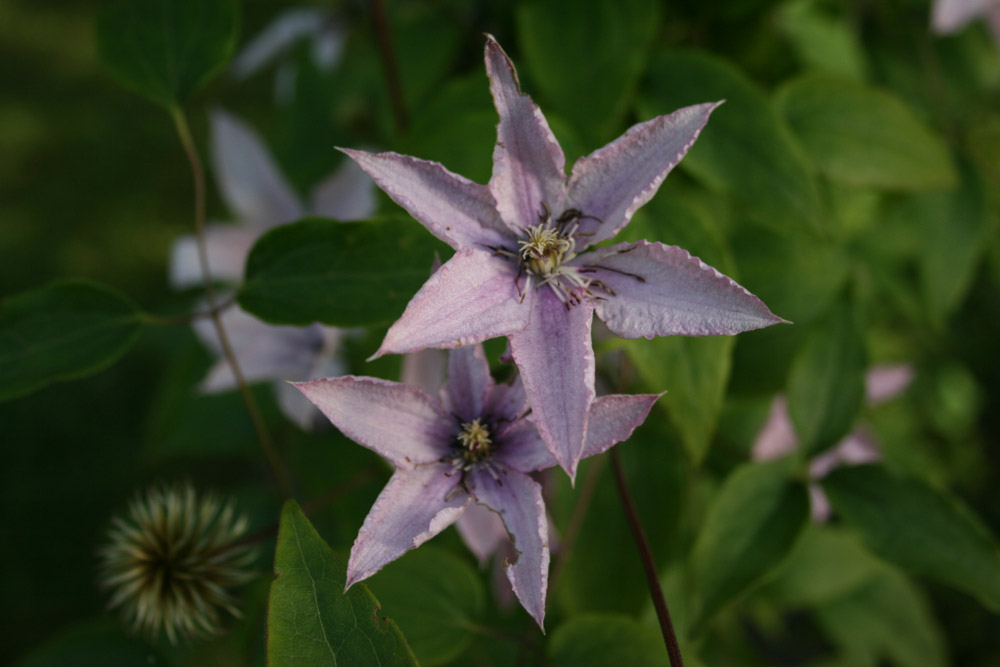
(198,177)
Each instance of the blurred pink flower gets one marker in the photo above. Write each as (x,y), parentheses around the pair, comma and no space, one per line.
(949,16)
(777,438)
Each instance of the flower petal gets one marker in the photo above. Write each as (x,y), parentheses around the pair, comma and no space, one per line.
(507,401)
(248,179)
(777,438)
(612,183)
(482,531)
(518,500)
(528,164)
(948,16)
(397,421)
(887,381)
(277,37)
(613,418)
(469,382)
(413,507)
(227,247)
(425,369)
(264,351)
(296,407)
(347,194)
(556,360)
(471,298)
(461,213)
(661,290)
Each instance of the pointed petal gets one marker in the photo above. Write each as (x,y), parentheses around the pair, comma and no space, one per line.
(613,418)
(661,290)
(413,507)
(612,183)
(556,360)
(227,247)
(471,298)
(469,382)
(248,179)
(777,438)
(518,500)
(296,407)
(507,401)
(347,194)
(397,421)
(453,208)
(481,530)
(264,351)
(528,164)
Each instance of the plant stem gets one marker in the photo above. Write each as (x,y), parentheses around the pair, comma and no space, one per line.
(390,65)
(198,175)
(648,564)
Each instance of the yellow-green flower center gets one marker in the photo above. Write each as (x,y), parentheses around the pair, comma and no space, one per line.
(544,250)
(475,440)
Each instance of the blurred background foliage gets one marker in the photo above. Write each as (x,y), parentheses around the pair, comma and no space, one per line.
(850,181)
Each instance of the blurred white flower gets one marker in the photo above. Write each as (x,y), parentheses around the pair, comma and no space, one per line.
(777,438)
(258,194)
(948,16)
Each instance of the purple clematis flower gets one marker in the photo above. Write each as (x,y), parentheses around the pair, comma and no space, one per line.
(475,445)
(520,268)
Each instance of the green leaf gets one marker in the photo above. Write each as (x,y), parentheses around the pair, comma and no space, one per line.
(745,150)
(826,384)
(596,640)
(165,49)
(748,531)
(860,135)
(310,620)
(435,598)
(919,528)
(822,41)
(586,58)
(343,274)
(887,618)
(64,331)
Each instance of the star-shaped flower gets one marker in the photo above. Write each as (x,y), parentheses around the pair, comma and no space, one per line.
(255,190)
(520,269)
(476,445)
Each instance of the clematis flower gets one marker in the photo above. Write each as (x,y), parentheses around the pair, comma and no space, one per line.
(521,267)
(777,438)
(254,189)
(473,446)
(949,16)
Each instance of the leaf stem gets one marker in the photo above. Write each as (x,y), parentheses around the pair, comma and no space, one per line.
(648,564)
(198,176)
(390,65)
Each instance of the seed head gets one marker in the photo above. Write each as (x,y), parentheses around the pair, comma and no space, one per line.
(172,560)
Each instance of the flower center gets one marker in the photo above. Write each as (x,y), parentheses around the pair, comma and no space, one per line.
(475,441)
(543,252)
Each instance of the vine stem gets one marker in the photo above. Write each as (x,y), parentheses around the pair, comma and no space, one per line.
(390,65)
(198,176)
(648,564)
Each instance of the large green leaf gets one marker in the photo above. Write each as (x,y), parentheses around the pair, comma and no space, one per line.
(919,528)
(745,150)
(748,531)
(885,618)
(587,57)
(342,274)
(596,640)
(436,598)
(826,385)
(310,620)
(64,331)
(165,49)
(864,136)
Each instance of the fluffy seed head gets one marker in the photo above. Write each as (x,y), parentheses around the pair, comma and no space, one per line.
(171,561)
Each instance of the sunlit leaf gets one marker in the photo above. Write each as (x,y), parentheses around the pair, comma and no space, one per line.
(165,49)
(342,274)
(922,529)
(747,533)
(64,331)
(864,136)
(435,598)
(311,622)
